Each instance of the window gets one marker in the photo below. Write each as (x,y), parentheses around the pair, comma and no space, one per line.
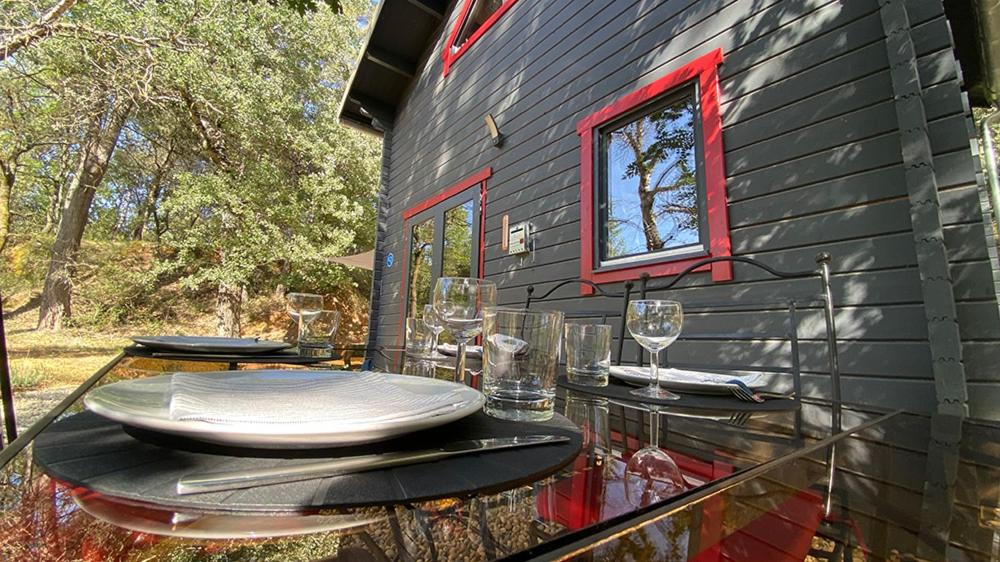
(649,198)
(652,183)
(475,18)
(444,238)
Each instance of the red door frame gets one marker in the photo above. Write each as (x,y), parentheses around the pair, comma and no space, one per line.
(479,178)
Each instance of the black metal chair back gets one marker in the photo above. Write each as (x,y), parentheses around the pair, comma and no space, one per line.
(825,299)
(602,315)
(6,388)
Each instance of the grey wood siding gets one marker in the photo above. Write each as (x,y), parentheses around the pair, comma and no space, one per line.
(813,162)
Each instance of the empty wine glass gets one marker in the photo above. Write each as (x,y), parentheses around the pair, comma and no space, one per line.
(651,475)
(654,324)
(436,326)
(458,303)
(303,308)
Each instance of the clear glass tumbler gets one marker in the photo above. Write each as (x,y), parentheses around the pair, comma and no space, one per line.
(520,354)
(316,338)
(419,338)
(588,353)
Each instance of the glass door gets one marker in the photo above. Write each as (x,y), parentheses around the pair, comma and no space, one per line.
(444,241)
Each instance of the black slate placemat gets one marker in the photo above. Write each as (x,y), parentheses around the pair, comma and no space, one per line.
(622,392)
(96,453)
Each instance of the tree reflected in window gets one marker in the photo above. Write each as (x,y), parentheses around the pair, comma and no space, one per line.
(650,201)
(457,253)
(420,268)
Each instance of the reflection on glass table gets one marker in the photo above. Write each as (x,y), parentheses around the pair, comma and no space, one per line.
(755,490)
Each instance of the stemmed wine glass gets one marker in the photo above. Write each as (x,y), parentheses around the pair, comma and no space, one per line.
(436,326)
(458,303)
(651,475)
(655,324)
(303,308)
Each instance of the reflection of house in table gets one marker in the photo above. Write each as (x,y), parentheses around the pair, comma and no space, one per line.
(630,138)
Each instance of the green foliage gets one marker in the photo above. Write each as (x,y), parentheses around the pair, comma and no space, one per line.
(232,167)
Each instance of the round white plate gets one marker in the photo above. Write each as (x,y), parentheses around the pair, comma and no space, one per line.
(696,382)
(145,403)
(207,344)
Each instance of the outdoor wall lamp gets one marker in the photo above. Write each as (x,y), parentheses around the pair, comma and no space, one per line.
(495,133)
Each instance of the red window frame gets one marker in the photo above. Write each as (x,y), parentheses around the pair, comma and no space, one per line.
(704,70)
(479,178)
(450,55)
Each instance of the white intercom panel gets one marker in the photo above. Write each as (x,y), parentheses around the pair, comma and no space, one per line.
(519,239)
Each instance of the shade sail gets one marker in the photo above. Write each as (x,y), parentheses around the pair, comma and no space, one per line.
(364,260)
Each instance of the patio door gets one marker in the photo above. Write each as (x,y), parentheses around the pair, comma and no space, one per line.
(443,240)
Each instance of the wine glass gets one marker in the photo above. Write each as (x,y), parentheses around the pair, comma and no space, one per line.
(651,475)
(655,324)
(436,326)
(303,308)
(458,303)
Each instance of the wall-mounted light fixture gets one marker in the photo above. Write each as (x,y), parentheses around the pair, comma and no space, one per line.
(495,133)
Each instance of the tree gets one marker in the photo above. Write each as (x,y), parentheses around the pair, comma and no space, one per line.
(658,151)
(93,160)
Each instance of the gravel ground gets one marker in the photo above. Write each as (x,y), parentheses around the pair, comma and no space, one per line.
(30,405)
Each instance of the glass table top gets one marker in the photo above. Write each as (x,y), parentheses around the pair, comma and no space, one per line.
(650,483)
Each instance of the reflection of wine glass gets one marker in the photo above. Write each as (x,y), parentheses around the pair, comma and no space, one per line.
(304,308)
(655,324)
(651,475)
(458,303)
(436,326)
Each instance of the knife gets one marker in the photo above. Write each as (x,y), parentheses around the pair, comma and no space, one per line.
(198,483)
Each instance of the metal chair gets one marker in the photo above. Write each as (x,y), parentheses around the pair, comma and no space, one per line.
(6,388)
(603,315)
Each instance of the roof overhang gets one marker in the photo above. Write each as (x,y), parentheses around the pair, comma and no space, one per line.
(398,35)
(975,26)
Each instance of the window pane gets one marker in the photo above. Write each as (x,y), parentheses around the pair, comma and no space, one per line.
(458,241)
(651,182)
(480,12)
(421,260)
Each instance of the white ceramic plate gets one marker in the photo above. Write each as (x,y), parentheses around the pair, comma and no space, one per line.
(145,403)
(697,382)
(206,344)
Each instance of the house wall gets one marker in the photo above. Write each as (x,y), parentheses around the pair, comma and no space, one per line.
(813,160)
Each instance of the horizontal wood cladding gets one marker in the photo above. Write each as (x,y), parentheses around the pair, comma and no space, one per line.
(813,162)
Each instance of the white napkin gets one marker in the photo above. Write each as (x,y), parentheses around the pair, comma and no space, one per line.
(294,397)
(452,349)
(669,374)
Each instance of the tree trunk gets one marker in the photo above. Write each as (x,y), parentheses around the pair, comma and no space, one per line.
(95,155)
(7,177)
(229,306)
(148,207)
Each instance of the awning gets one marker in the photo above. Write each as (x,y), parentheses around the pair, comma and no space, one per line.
(364,260)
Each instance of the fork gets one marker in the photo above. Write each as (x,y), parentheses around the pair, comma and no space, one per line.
(743,392)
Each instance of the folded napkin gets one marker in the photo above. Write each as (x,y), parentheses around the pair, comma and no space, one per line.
(294,397)
(668,374)
(452,349)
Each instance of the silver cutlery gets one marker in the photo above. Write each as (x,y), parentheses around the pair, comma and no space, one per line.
(198,483)
(744,392)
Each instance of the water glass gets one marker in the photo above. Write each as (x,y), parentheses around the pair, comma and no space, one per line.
(588,353)
(436,326)
(303,307)
(654,324)
(419,338)
(316,337)
(459,303)
(520,354)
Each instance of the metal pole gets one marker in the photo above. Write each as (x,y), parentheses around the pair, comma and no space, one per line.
(823,259)
(6,389)
(991,164)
